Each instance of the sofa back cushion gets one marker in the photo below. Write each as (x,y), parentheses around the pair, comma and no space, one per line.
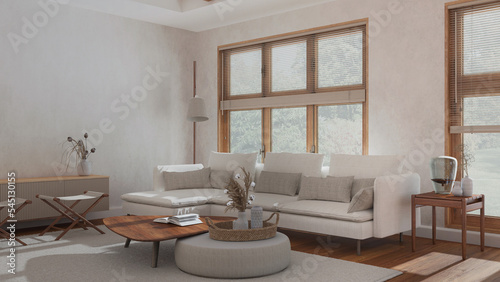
(188,179)
(159,181)
(232,162)
(364,166)
(278,183)
(336,189)
(305,163)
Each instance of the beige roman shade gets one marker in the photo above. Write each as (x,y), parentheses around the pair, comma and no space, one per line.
(309,68)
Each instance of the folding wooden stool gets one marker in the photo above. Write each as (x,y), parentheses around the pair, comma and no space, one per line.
(20,204)
(70,213)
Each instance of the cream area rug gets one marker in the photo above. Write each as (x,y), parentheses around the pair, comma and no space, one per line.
(88,256)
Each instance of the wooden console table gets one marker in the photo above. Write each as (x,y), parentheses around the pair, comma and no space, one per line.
(27,188)
(466,204)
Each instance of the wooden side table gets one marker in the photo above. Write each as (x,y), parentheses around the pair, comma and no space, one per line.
(466,204)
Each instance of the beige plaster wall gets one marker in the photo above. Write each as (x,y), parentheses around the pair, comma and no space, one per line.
(77,70)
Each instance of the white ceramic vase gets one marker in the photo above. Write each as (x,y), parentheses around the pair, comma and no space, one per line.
(84,167)
(241,222)
(457,189)
(467,186)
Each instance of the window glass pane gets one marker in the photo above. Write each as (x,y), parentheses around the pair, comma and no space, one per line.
(289,70)
(485,169)
(482,110)
(340,130)
(246,72)
(340,60)
(289,129)
(245,131)
(481,38)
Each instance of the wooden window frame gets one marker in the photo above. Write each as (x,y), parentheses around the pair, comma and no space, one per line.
(223,144)
(453,217)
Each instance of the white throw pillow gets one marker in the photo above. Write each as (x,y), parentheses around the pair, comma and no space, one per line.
(362,166)
(232,161)
(306,163)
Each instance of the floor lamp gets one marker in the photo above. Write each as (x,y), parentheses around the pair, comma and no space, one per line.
(197,111)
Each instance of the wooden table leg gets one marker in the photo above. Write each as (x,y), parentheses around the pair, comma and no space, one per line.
(413,223)
(464,229)
(127,243)
(434,225)
(482,225)
(156,247)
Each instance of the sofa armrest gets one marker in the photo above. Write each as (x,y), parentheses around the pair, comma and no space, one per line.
(392,203)
(159,183)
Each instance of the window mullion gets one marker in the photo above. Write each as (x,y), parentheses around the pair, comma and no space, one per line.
(266,130)
(266,69)
(311,64)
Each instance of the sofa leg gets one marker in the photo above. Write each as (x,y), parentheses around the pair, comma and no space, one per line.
(401,237)
(358,248)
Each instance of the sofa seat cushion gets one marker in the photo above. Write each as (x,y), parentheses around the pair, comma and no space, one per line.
(173,198)
(268,201)
(326,209)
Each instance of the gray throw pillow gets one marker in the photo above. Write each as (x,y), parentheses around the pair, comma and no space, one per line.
(189,179)
(278,183)
(363,200)
(359,184)
(220,178)
(337,189)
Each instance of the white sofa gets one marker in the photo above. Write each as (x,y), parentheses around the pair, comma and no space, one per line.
(391,213)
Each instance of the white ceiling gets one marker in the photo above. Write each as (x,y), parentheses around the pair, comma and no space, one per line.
(194,15)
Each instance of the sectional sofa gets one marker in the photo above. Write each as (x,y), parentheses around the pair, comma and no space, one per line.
(356,197)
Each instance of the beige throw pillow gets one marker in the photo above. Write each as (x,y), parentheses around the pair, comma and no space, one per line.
(189,179)
(278,183)
(337,189)
(363,200)
(220,178)
(359,184)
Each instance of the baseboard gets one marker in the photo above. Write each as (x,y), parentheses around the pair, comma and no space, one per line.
(455,235)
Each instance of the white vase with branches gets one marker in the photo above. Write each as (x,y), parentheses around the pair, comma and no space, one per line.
(466,158)
(82,154)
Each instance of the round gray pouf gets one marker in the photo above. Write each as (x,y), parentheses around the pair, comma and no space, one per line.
(202,256)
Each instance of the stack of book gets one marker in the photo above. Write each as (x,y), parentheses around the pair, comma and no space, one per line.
(181,220)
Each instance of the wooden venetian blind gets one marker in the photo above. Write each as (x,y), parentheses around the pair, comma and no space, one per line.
(331,63)
(474,70)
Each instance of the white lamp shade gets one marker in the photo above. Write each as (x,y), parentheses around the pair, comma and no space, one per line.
(197,111)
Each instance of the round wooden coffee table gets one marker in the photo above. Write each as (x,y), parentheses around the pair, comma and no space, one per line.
(142,228)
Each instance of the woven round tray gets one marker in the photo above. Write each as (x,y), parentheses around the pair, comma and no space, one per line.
(223,231)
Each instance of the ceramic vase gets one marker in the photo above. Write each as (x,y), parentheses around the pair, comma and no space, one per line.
(467,186)
(256,217)
(443,173)
(457,189)
(84,167)
(241,222)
